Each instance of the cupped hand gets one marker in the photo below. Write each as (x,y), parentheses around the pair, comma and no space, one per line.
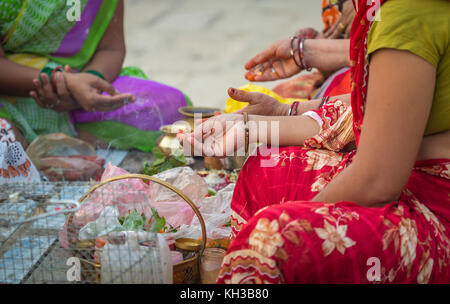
(45,96)
(344,24)
(276,61)
(87,90)
(258,103)
(219,136)
(273,63)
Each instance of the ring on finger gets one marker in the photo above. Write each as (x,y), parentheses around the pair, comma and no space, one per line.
(341,26)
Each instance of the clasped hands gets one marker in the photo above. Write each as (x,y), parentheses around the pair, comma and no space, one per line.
(77,90)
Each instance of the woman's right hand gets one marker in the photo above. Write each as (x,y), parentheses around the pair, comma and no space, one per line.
(87,90)
(218,136)
(276,62)
(258,103)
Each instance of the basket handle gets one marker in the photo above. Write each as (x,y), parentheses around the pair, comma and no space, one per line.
(162,183)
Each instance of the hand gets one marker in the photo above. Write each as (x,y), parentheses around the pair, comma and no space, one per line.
(259,103)
(59,101)
(344,24)
(276,62)
(87,90)
(219,136)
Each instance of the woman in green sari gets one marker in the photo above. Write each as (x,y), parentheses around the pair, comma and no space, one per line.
(61,71)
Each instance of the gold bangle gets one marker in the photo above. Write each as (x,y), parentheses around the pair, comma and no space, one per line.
(247,139)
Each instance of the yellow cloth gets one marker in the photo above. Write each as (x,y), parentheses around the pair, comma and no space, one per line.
(234,105)
(423,28)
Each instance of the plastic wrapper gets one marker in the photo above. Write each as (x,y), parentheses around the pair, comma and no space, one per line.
(183,178)
(127,262)
(216,212)
(106,223)
(61,157)
(126,195)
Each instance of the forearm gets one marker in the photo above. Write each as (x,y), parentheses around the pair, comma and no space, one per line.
(327,55)
(110,54)
(108,62)
(281,130)
(16,79)
(366,188)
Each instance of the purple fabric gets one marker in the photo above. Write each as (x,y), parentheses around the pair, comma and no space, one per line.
(75,38)
(156,105)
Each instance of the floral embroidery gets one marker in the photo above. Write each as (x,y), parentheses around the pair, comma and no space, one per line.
(317,159)
(265,238)
(335,237)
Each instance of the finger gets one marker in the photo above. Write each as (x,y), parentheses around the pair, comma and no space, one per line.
(68,69)
(105,86)
(47,89)
(37,83)
(261,57)
(105,102)
(243,96)
(328,34)
(34,95)
(61,88)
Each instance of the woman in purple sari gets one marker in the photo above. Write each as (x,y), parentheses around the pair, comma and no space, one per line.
(61,71)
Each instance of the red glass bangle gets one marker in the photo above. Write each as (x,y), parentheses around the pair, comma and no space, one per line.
(52,78)
(293,109)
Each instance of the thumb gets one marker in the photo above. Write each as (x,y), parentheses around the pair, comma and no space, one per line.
(241,95)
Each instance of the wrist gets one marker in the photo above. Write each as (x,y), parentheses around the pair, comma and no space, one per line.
(283,109)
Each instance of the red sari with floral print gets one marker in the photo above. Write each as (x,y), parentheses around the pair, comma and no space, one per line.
(282,237)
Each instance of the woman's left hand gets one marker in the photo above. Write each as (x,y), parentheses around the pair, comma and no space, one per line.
(344,24)
(46,97)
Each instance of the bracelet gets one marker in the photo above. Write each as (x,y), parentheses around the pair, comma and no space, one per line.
(293,53)
(52,77)
(247,137)
(301,47)
(96,73)
(325,99)
(293,109)
(51,73)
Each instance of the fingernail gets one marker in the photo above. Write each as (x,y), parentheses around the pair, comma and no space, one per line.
(232,91)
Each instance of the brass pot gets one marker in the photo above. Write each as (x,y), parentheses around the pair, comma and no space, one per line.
(189,113)
(168,142)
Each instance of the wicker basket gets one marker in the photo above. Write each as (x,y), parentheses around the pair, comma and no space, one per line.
(186,272)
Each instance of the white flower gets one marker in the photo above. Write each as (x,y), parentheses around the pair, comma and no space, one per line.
(335,237)
(265,238)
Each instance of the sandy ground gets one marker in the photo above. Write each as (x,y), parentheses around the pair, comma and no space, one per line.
(201,46)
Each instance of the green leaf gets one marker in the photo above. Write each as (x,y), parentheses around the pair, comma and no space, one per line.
(159,222)
(133,221)
(158,153)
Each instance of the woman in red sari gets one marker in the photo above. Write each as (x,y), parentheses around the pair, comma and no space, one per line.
(319,214)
